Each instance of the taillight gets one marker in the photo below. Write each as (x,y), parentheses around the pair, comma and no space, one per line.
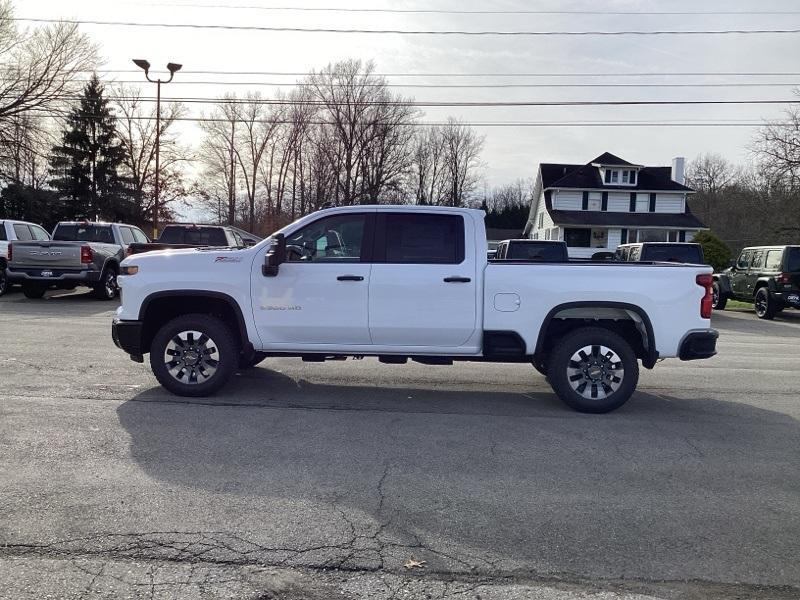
(86,255)
(783,278)
(705,281)
(10,252)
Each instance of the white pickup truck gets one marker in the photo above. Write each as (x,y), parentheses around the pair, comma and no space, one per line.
(400,283)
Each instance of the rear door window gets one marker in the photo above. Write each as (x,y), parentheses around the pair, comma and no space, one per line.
(127,235)
(537,252)
(424,238)
(3,236)
(676,253)
(22,232)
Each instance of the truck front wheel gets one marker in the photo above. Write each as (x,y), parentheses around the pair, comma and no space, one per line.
(593,370)
(194,355)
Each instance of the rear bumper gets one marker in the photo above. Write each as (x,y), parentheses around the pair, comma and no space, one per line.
(84,276)
(699,344)
(788,298)
(127,336)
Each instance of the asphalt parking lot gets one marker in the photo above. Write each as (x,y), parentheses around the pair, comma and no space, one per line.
(322,480)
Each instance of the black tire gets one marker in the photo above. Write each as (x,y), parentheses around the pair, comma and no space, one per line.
(34,292)
(197,355)
(254,360)
(718,299)
(107,288)
(4,283)
(596,391)
(765,306)
(540,365)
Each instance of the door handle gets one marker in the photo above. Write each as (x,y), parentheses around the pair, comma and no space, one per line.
(350,278)
(454,279)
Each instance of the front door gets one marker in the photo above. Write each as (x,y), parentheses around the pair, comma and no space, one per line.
(423,286)
(319,295)
(738,275)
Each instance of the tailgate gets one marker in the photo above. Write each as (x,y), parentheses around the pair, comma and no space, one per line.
(53,255)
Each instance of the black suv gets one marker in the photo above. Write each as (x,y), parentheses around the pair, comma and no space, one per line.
(768,276)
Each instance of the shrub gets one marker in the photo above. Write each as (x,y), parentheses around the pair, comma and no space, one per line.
(717,253)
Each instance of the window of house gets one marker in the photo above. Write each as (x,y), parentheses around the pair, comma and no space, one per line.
(629,177)
(594,204)
(614,176)
(541,220)
(673,236)
(652,235)
(578,238)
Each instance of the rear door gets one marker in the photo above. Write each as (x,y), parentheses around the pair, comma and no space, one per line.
(423,289)
(754,271)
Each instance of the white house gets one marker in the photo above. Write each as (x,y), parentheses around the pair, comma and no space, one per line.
(607,202)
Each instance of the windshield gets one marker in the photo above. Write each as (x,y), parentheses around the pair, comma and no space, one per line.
(793,260)
(83,233)
(674,253)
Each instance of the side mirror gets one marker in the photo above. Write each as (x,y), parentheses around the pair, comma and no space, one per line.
(275,256)
(732,264)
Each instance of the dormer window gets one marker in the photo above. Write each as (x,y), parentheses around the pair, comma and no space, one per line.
(620,177)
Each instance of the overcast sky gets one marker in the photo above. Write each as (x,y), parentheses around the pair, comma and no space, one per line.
(509,152)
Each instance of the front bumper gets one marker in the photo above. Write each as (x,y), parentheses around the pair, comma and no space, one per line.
(127,336)
(698,345)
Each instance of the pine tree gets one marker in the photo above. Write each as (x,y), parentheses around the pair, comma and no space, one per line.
(85,166)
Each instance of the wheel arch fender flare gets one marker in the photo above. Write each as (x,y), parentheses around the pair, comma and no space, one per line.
(648,341)
(218,296)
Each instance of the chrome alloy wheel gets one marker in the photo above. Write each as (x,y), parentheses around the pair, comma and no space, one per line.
(761,304)
(595,372)
(110,284)
(191,357)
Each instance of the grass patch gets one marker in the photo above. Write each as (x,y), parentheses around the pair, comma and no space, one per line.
(737,304)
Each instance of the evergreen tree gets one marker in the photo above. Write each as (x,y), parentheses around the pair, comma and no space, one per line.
(86,165)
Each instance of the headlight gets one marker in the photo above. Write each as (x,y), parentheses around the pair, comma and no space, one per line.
(129,270)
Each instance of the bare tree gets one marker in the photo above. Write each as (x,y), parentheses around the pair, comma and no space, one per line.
(777,148)
(136,127)
(24,155)
(217,155)
(462,155)
(39,67)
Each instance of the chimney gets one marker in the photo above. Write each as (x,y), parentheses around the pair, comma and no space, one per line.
(678,171)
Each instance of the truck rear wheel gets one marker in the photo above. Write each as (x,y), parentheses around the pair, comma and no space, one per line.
(194,355)
(4,284)
(107,288)
(593,370)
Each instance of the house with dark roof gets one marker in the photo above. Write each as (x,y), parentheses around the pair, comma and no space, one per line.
(609,201)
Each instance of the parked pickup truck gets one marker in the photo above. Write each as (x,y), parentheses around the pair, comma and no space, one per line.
(399,283)
(533,250)
(80,253)
(11,231)
(767,276)
(179,236)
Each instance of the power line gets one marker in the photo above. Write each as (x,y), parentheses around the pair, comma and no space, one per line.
(593,74)
(470,12)
(451,32)
(434,103)
(480,85)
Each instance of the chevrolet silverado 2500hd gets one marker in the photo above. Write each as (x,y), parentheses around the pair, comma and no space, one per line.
(406,283)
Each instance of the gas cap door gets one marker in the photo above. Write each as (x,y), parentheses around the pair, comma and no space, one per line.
(506,302)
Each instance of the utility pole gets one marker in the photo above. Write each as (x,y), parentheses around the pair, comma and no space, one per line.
(172,68)
(232,179)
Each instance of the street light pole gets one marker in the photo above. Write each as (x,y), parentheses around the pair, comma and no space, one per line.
(172,68)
